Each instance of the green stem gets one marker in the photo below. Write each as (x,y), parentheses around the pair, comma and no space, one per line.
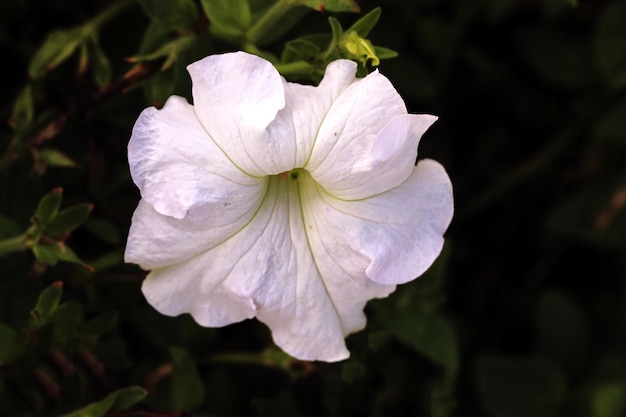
(13,244)
(268,19)
(294,68)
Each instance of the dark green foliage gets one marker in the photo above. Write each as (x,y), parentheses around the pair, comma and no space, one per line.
(522,315)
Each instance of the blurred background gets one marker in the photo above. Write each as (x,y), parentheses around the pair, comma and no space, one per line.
(523,314)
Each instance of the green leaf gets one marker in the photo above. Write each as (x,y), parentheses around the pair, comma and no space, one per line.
(100,65)
(531,386)
(59,46)
(54,158)
(231,17)
(384,53)
(153,37)
(9,348)
(101,324)
(45,254)
(64,253)
(172,14)
(352,370)
(609,45)
(104,229)
(331,5)
(612,126)
(609,400)
(49,206)
(23,108)
(51,253)
(431,336)
(364,25)
(48,302)
(66,322)
(561,330)
(187,389)
(68,219)
(118,400)
(127,397)
(299,50)
(337,30)
(163,84)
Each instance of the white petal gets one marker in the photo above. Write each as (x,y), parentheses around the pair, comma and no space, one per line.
(289,139)
(156,241)
(387,163)
(180,171)
(236,96)
(350,131)
(268,270)
(399,233)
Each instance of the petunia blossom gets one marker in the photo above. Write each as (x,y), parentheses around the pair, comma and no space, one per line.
(290,203)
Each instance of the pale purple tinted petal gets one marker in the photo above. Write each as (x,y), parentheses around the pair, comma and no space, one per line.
(180,171)
(387,163)
(399,232)
(236,96)
(352,127)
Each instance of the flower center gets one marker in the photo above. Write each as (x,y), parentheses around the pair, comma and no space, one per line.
(292,175)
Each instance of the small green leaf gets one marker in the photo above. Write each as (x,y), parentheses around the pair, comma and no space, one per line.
(364,25)
(384,53)
(299,50)
(101,324)
(66,254)
(172,14)
(352,370)
(127,397)
(331,5)
(231,17)
(23,108)
(432,336)
(118,400)
(9,348)
(561,330)
(45,254)
(337,30)
(187,387)
(609,400)
(163,84)
(49,206)
(612,125)
(609,45)
(68,219)
(100,65)
(54,158)
(48,302)
(59,46)
(522,387)
(66,322)
(153,37)
(51,253)
(104,229)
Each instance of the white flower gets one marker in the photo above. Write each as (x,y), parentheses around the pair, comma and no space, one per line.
(290,203)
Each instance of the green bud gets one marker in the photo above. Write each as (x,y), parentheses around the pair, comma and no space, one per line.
(359,48)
